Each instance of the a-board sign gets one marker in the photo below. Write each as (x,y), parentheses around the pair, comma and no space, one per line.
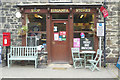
(86,44)
(100,29)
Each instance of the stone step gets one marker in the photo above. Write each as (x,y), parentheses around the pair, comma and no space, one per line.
(59,66)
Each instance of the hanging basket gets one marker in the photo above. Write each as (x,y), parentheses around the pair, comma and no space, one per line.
(23,30)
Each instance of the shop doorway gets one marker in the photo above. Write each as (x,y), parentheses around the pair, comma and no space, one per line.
(59,41)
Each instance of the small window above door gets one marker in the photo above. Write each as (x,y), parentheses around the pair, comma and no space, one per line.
(59,16)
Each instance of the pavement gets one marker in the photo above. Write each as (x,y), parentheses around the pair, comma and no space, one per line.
(28,71)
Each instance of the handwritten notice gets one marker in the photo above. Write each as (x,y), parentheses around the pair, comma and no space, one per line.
(76,42)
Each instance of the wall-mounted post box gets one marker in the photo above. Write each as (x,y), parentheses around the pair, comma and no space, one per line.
(6,39)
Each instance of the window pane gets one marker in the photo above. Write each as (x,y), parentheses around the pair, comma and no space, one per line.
(59,16)
(83,22)
(36,22)
(36,29)
(60,30)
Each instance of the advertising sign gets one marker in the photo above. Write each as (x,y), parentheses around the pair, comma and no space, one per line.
(104,11)
(62,32)
(76,42)
(86,44)
(100,29)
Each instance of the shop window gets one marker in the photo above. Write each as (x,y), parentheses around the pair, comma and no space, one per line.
(84,22)
(36,29)
(84,29)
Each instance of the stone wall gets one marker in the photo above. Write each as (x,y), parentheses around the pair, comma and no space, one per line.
(9,23)
(112,30)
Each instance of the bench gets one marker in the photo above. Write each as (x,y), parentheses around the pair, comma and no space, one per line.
(23,53)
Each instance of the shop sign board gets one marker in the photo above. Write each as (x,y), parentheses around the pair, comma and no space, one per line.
(82,10)
(76,42)
(35,10)
(100,29)
(59,10)
(86,44)
(60,0)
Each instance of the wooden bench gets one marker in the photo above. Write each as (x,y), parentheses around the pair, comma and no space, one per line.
(23,53)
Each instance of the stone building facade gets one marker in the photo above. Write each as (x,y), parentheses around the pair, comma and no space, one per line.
(9,23)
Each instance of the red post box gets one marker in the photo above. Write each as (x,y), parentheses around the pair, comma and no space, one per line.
(6,39)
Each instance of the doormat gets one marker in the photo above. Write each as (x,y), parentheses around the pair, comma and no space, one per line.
(59,68)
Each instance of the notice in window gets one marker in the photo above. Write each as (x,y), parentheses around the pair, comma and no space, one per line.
(56,36)
(76,42)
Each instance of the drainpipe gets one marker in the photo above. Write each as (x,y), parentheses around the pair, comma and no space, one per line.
(105,37)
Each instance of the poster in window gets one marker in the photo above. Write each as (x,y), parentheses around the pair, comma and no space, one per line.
(56,36)
(55,28)
(62,32)
(76,42)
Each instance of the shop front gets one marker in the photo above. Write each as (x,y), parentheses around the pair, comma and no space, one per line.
(60,27)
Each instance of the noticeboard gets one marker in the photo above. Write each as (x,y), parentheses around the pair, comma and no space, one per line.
(100,29)
(86,44)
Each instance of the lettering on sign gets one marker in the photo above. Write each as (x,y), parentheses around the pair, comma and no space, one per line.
(86,44)
(82,10)
(35,10)
(59,10)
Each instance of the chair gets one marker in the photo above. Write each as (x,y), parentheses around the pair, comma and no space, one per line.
(77,61)
(96,60)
